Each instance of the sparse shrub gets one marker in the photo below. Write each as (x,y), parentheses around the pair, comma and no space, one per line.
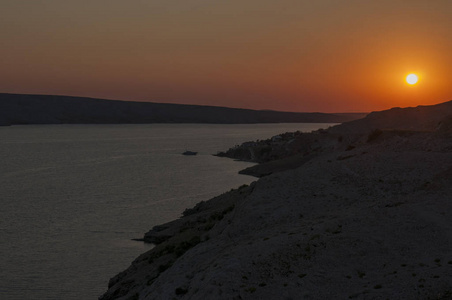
(163,268)
(374,135)
(314,237)
(216,216)
(153,256)
(229,209)
(136,296)
(181,291)
(201,220)
(190,211)
(186,245)
(446,295)
(394,204)
(168,249)
(209,226)
(220,215)
(344,157)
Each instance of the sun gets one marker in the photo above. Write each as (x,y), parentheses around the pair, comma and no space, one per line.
(411,79)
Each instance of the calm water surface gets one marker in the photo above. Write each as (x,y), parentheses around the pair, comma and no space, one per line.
(73,196)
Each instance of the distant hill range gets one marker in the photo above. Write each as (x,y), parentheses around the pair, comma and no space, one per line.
(44,109)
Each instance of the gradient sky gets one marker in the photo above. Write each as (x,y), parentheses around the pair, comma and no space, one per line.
(290,55)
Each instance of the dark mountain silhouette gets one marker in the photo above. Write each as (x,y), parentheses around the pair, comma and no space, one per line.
(46,109)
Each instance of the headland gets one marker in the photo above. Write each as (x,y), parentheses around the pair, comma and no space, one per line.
(361,210)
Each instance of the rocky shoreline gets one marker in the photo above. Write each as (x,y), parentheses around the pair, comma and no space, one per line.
(361,210)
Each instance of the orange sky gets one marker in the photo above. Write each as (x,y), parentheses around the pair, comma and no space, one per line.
(290,55)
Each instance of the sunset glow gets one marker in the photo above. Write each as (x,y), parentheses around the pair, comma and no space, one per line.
(286,55)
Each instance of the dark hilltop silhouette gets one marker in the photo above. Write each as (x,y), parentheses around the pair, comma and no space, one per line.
(46,109)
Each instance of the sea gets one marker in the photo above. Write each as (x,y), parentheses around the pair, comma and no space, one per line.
(72,197)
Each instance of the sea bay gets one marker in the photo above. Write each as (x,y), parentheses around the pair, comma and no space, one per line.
(73,196)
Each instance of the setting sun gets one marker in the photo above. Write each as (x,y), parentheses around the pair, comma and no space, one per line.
(411,79)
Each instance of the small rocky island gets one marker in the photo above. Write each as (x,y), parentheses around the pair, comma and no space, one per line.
(361,210)
(189,153)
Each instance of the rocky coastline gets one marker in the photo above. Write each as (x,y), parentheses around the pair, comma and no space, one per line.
(361,210)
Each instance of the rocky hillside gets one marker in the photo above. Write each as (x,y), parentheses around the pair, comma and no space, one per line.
(291,150)
(43,109)
(368,220)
